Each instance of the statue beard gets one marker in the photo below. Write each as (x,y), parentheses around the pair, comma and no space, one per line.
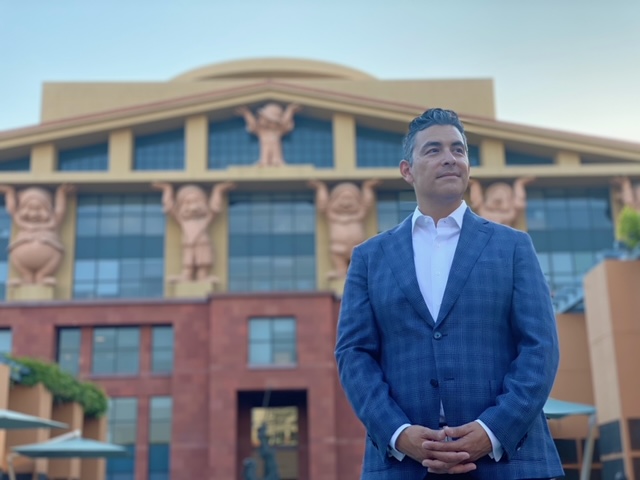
(193,213)
(34,217)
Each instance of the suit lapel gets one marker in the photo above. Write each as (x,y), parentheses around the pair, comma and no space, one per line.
(398,249)
(474,236)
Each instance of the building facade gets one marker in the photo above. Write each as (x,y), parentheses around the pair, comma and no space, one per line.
(193,368)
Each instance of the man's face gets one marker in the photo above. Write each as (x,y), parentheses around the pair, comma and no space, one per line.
(440,170)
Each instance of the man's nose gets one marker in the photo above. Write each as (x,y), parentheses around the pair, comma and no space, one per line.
(448,157)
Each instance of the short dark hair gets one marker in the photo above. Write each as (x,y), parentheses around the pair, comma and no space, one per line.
(433,116)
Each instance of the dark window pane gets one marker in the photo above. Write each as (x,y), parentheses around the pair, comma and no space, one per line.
(69,349)
(160,151)
(91,158)
(378,148)
(119,246)
(272,341)
(516,158)
(261,254)
(18,165)
(116,351)
(569,227)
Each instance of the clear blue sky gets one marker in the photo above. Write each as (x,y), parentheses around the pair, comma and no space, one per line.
(571,65)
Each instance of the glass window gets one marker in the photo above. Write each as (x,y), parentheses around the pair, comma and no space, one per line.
(6,341)
(91,158)
(394,207)
(160,418)
(281,423)
(162,349)
(271,242)
(160,151)
(517,158)
(119,246)
(310,142)
(378,148)
(123,420)
(569,227)
(22,164)
(5,236)
(69,340)
(474,155)
(116,351)
(231,144)
(272,341)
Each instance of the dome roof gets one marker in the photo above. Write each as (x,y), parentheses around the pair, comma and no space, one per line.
(259,68)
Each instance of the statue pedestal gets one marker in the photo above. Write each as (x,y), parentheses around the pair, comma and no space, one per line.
(31,292)
(193,289)
(337,286)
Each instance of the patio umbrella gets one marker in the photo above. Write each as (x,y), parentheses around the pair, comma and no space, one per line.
(557,409)
(69,445)
(11,420)
(71,448)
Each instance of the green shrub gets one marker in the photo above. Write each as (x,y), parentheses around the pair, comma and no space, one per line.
(629,227)
(63,386)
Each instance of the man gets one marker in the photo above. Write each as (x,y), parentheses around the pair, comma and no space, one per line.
(447,346)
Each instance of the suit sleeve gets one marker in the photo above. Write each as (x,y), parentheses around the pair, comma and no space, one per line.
(531,374)
(358,353)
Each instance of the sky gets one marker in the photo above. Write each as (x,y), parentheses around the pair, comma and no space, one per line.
(571,65)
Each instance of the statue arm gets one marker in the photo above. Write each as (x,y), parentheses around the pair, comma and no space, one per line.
(520,192)
(287,117)
(626,191)
(168,202)
(216,204)
(368,195)
(248,118)
(61,202)
(475,194)
(9,198)
(322,194)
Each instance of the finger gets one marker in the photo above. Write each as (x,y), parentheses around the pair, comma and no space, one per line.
(451,458)
(456,432)
(433,464)
(462,468)
(452,446)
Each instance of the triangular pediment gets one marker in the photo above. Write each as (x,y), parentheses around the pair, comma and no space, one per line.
(220,103)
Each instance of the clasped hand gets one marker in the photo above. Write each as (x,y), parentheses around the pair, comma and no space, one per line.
(431,448)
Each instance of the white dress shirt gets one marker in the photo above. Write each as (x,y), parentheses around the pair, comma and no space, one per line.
(434,247)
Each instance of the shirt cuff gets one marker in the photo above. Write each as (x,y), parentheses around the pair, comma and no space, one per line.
(391,450)
(497,452)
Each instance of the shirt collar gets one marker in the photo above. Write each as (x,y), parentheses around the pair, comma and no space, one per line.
(457,215)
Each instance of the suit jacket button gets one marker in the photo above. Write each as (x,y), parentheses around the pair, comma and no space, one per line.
(437,335)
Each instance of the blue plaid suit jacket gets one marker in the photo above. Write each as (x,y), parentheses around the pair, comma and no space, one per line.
(492,354)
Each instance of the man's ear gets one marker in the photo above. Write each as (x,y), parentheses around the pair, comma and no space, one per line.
(405,171)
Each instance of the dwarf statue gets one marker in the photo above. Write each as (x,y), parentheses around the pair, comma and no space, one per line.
(345,209)
(628,194)
(36,251)
(194,214)
(501,203)
(272,123)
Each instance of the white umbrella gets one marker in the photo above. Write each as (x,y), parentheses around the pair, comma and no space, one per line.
(68,445)
(557,409)
(11,420)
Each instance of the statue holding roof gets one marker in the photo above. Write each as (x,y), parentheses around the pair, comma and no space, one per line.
(272,123)
(191,210)
(36,251)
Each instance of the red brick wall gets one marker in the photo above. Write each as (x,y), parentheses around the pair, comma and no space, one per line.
(210,368)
